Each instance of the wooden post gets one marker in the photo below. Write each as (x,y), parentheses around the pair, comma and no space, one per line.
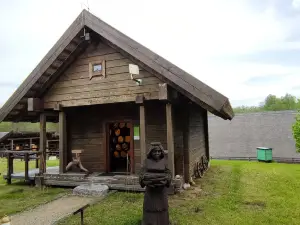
(37,161)
(81,217)
(42,148)
(12,148)
(47,150)
(26,158)
(142,133)
(30,144)
(62,142)
(186,133)
(81,212)
(11,145)
(10,166)
(170,139)
(206,135)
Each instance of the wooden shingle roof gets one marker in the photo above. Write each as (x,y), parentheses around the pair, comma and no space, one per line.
(71,44)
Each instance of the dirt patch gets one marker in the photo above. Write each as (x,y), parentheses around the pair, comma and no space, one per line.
(193,192)
(181,199)
(255,204)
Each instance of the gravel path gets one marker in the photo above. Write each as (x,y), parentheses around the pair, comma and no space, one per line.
(51,212)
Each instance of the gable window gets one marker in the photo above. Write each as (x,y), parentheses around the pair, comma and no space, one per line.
(97,69)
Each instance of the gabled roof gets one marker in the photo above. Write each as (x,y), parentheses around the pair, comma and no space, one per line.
(25,134)
(71,44)
(3,135)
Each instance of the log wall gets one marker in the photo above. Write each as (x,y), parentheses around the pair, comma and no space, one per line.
(86,130)
(74,87)
(86,127)
(197,136)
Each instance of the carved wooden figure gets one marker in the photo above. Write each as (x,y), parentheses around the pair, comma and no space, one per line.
(157,178)
(76,161)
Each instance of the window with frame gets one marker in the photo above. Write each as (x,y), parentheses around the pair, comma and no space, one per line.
(97,69)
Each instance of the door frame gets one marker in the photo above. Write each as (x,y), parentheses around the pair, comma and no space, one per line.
(106,143)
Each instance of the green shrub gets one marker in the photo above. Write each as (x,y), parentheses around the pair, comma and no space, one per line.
(296,131)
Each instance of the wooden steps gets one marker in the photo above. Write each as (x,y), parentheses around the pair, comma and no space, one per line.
(123,187)
(116,182)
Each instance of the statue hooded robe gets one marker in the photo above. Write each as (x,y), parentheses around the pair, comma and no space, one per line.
(157,178)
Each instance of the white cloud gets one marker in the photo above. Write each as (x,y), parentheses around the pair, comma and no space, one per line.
(190,34)
(296,4)
(230,79)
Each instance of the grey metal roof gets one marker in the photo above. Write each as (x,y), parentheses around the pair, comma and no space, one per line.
(3,135)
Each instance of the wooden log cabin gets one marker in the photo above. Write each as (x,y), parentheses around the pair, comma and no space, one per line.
(112,97)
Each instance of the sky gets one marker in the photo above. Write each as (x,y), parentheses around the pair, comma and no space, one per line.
(245,49)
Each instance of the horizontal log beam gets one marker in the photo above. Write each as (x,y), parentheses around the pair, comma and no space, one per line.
(23,152)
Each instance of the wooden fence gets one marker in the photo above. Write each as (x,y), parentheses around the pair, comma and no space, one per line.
(26,156)
(275,159)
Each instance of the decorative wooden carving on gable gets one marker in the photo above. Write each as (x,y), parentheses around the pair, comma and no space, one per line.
(97,69)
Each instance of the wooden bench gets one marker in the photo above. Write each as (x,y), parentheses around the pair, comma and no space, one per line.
(81,212)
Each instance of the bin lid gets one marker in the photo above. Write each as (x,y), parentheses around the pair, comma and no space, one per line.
(264,148)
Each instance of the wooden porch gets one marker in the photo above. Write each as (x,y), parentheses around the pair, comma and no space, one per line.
(127,181)
(52,177)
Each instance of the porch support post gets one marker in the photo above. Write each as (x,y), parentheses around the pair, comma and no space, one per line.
(186,144)
(12,148)
(170,138)
(62,142)
(42,148)
(142,133)
(206,135)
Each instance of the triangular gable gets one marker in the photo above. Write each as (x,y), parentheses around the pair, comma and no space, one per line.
(50,65)
(74,87)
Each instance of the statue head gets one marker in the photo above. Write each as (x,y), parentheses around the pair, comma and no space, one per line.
(156,151)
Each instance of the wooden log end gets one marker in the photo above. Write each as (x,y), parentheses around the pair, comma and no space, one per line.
(139,99)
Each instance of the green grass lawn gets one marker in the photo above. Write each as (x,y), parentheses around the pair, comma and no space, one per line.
(232,192)
(19,196)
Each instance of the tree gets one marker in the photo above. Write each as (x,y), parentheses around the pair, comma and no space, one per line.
(298,104)
(296,131)
(271,102)
(288,102)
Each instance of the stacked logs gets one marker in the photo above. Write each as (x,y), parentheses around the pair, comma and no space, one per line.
(155,179)
(120,141)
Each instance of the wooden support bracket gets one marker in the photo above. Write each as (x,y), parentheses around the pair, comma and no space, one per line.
(139,99)
(58,107)
(163,91)
(34,105)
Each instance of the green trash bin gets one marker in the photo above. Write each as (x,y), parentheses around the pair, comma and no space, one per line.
(264,154)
